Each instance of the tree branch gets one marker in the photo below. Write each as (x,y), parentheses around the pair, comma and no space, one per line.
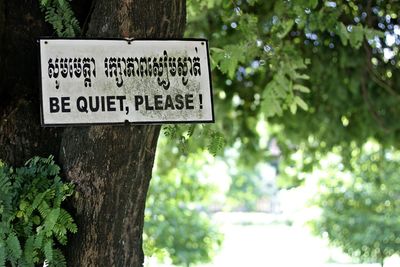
(368,102)
(374,76)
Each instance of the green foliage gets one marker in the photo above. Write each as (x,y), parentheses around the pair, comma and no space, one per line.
(177,223)
(360,210)
(316,69)
(352,97)
(240,49)
(32,221)
(246,189)
(60,15)
(189,138)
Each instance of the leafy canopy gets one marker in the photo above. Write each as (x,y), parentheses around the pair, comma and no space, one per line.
(319,74)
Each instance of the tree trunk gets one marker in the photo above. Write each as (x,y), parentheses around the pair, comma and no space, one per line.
(112,165)
(21,136)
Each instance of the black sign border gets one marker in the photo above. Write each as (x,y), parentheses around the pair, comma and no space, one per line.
(126,122)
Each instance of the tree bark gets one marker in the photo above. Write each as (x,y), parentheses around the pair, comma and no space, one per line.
(111,165)
(21,136)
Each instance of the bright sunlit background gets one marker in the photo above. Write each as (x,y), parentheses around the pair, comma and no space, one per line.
(273,227)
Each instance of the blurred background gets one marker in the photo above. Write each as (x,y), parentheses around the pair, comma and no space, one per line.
(301,167)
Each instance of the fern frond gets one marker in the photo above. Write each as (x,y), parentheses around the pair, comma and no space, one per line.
(31,214)
(58,259)
(60,232)
(217,143)
(23,263)
(30,252)
(39,239)
(48,251)
(2,253)
(13,248)
(36,202)
(44,209)
(66,219)
(191,129)
(51,220)
(60,15)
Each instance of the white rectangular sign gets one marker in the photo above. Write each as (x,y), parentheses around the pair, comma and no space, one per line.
(97,81)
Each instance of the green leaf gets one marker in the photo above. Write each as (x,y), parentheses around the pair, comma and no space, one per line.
(229,58)
(23,205)
(293,108)
(341,30)
(30,253)
(66,220)
(283,83)
(58,259)
(248,27)
(60,15)
(39,238)
(271,105)
(44,209)
(48,251)
(216,55)
(36,220)
(300,102)
(370,34)
(44,2)
(216,144)
(301,76)
(2,254)
(51,220)
(287,25)
(356,36)
(252,2)
(313,3)
(301,88)
(61,3)
(14,247)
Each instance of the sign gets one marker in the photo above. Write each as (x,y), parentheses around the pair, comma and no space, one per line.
(88,81)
